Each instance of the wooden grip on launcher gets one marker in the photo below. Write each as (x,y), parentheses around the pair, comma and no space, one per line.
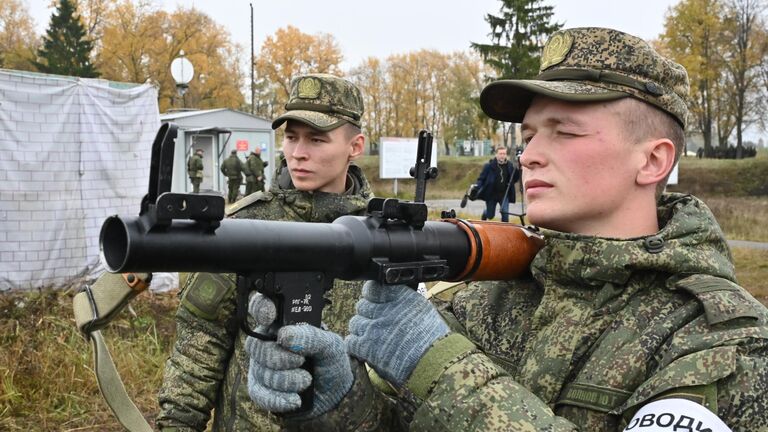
(498,250)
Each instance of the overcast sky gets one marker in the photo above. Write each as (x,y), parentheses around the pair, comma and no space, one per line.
(380,28)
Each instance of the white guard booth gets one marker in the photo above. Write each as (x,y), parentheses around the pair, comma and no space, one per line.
(217,132)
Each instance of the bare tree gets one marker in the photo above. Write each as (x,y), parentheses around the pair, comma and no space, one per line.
(744,62)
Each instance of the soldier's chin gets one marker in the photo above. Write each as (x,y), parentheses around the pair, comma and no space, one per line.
(304,186)
(537,216)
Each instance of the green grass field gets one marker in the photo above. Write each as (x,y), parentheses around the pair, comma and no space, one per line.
(46,381)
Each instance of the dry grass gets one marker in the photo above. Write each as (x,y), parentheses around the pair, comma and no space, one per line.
(752,271)
(455,174)
(46,377)
(742,218)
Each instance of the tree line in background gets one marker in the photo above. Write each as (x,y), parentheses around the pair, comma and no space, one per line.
(722,43)
(128,41)
(724,46)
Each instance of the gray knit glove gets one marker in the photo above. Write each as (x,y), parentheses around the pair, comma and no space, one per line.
(392,330)
(275,376)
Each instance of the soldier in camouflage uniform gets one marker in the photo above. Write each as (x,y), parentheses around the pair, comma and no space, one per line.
(195,170)
(255,179)
(232,168)
(630,318)
(315,182)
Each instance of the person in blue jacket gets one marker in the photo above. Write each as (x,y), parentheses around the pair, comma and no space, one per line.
(497,185)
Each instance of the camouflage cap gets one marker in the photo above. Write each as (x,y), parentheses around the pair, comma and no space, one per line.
(322,101)
(593,64)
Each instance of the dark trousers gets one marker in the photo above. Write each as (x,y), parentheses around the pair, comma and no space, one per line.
(490,209)
(253,185)
(234,189)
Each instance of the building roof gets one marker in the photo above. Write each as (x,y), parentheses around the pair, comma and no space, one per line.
(193,113)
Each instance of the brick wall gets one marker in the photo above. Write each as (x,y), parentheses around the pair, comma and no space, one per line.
(72,152)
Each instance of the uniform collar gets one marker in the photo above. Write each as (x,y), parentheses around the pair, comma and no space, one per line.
(689,242)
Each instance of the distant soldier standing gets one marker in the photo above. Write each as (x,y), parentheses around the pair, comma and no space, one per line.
(232,168)
(195,170)
(255,181)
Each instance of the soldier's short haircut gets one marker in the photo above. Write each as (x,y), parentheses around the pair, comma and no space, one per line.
(351,130)
(644,122)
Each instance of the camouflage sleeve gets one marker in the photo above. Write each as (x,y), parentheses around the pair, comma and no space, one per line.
(743,396)
(463,390)
(363,409)
(454,388)
(205,340)
(729,380)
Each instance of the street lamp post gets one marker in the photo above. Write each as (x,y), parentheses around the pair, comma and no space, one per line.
(182,72)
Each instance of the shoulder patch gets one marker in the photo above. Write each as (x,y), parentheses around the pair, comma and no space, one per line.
(204,294)
(691,375)
(246,201)
(721,299)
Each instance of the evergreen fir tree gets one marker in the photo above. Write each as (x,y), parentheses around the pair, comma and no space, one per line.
(517,36)
(66,50)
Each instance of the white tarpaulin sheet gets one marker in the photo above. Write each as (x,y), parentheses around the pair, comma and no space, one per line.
(72,152)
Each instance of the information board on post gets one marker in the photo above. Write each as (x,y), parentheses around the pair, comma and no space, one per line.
(673,175)
(398,155)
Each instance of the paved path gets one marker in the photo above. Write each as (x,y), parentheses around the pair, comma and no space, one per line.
(747,244)
(475,209)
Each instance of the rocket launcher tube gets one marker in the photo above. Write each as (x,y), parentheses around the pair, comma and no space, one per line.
(350,248)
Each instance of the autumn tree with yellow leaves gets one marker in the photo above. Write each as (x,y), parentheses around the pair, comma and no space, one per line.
(18,41)
(693,36)
(139,43)
(288,53)
(423,89)
(134,41)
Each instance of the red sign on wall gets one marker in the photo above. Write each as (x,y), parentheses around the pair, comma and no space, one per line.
(242,145)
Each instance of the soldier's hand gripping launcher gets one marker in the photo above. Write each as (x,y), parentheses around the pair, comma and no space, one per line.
(294,263)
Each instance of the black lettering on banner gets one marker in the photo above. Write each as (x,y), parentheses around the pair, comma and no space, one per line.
(680,426)
(647,420)
(671,420)
(665,420)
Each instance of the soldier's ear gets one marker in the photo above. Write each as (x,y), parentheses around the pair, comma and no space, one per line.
(658,160)
(356,147)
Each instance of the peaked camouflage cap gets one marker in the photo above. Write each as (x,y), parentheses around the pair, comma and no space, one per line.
(593,64)
(322,101)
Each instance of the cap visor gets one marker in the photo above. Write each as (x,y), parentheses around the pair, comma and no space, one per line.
(317,120)
(507,100)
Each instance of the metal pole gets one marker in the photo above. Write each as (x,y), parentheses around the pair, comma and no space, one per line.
(253,91)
